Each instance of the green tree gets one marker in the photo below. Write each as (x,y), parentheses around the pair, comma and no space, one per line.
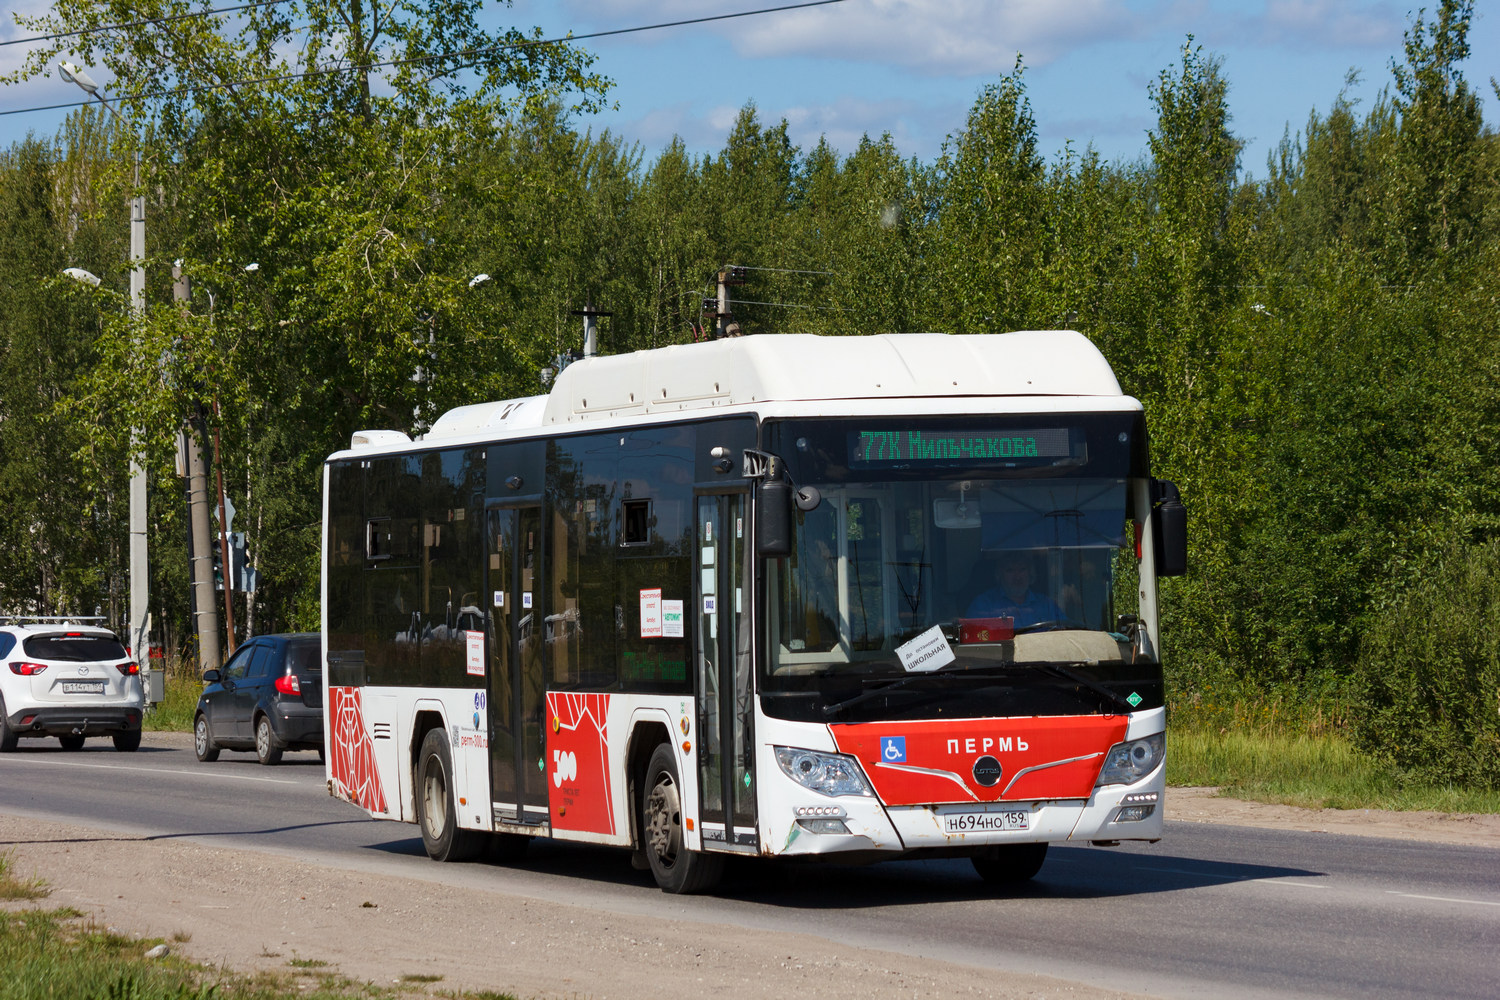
(991,231)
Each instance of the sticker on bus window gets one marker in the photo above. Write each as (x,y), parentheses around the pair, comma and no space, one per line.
(710,604)
(928,651)
(671,619)
(474,646)
(526,599)
(499,598)
(651,627)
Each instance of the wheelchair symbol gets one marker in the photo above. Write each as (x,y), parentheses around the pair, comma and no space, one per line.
(893,749)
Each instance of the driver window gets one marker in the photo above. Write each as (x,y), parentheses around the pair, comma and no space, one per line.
(810,610)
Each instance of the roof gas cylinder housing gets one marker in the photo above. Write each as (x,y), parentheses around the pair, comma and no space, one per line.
(743,372)
(794,367)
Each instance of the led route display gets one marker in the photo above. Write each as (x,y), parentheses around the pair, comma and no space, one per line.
(940,446)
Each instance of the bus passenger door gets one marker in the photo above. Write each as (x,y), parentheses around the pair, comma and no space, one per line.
(724,681)
(518,786)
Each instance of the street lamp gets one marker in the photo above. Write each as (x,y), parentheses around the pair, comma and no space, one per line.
(79,274)
(139,625)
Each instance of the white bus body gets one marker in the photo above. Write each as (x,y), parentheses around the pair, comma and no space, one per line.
(738,597)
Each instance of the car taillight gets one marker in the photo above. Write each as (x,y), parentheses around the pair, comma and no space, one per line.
(27,669)
(128,667)
(288,684)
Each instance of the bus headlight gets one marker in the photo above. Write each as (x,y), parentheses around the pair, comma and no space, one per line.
(1130,762)
(828,773)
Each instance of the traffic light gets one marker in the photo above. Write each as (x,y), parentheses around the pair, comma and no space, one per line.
(218,564)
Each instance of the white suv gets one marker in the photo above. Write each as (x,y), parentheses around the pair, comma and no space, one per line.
(68,680)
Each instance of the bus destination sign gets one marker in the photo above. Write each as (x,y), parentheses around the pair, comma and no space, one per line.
(943,447)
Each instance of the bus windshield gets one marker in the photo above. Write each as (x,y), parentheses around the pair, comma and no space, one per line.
(972,569)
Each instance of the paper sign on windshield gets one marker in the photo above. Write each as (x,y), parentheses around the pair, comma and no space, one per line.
(928,651)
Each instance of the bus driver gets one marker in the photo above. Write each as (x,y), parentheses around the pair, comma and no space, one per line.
(1012,595)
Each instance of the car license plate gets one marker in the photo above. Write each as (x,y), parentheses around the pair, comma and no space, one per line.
(83,687)
(986,822)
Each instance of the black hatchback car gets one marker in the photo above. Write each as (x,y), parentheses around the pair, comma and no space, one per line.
(268,698)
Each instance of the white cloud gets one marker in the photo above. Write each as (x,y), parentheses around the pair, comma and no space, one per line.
(940,38)
(962,38)
(1331,24)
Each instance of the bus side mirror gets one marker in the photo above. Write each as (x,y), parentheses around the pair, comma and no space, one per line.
(1169,533)
(773,534)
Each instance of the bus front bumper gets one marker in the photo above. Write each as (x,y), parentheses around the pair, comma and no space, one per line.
(1112,813)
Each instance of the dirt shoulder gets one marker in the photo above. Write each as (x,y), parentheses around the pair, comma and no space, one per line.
(262,912)
(1206,805)
(259,912)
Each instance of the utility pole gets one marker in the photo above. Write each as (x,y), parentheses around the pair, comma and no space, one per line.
(722,313)
(200,535)
(590,327)
(224,539)
(139,626)
(728,277)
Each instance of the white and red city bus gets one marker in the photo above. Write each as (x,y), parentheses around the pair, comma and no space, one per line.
(858,597)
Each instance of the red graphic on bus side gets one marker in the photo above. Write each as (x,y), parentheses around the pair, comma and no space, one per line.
(351,759)
(578,788)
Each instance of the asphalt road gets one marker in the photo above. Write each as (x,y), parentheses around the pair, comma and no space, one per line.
(1210,911)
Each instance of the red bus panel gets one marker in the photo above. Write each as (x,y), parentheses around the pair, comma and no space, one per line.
(578,788)
(982,760)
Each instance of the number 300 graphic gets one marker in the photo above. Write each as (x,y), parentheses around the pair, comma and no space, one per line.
(565,766)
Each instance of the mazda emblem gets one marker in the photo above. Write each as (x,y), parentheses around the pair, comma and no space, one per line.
(987,770)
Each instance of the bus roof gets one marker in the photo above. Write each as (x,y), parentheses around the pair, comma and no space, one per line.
(742,371)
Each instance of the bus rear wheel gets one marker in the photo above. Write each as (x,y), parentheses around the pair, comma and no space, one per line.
(1010,864)
(436,815)
(675,868)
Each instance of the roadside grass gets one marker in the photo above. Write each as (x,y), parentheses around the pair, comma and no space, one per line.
(1290,748)
(48,954)
(183,686)
(14,887)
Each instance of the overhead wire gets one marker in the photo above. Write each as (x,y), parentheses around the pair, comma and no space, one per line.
(460,53)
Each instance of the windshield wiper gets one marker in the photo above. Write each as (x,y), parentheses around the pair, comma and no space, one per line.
(829,711)
(1067,671)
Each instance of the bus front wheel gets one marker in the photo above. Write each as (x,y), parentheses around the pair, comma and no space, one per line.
(675,868)
(436,815)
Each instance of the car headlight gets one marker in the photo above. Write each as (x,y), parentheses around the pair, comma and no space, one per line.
(1130,762)
(828,773)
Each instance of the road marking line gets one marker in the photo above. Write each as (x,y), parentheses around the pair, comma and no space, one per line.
(1300,885)
(161,770)
(1443,899)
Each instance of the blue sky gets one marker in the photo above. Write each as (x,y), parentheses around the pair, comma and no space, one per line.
(913,67)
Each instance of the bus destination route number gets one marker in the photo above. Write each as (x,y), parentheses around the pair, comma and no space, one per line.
(909,446)
(985,822)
